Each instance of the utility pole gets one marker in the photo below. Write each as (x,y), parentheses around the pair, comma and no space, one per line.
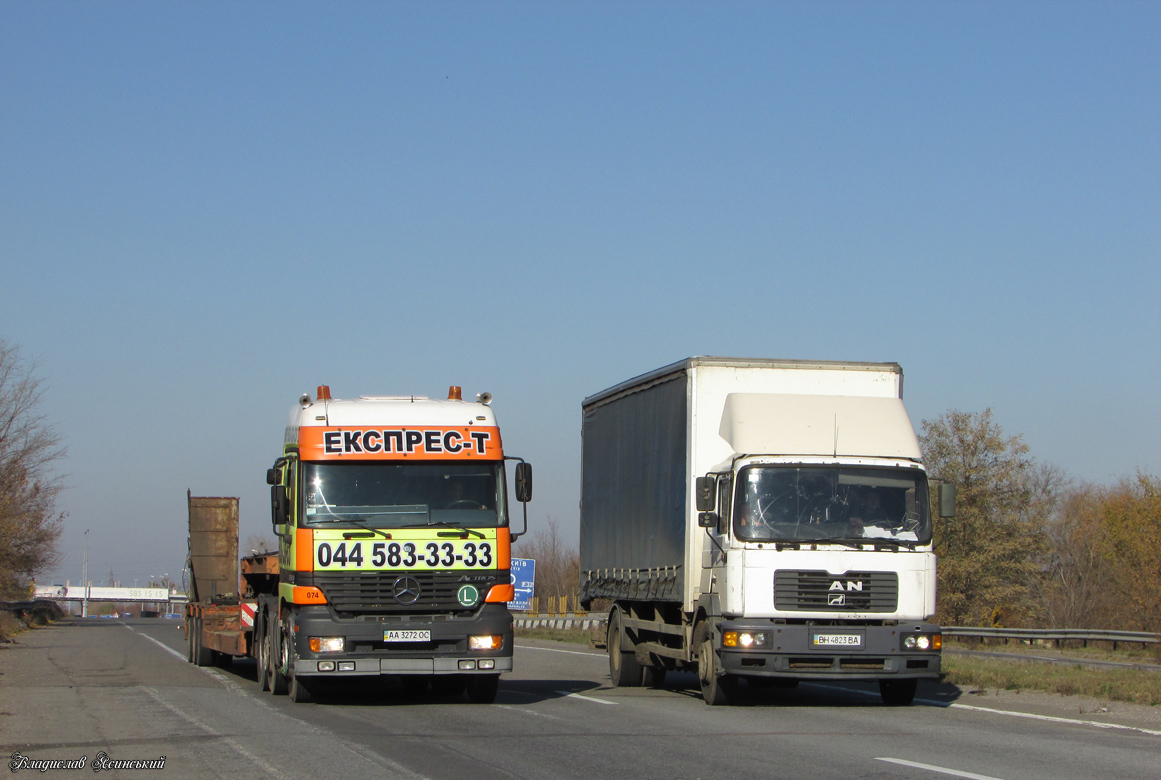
(85,577)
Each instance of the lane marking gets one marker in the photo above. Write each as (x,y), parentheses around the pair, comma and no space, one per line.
(1029,715)
(524,710)
(940,769)
(1049,718)
(569,652)
(253,759)
(586,698)
(157,642)
(365,753)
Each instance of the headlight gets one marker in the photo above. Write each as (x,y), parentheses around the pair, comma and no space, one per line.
(326,644)
(746,640)
(923,642)
(485,642)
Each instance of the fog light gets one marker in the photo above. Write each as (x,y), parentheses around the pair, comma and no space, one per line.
(486,663)
(326,644)
(326,666)
(467,666)
(346,666)
(485,642)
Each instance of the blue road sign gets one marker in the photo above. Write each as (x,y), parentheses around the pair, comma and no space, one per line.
(524,579)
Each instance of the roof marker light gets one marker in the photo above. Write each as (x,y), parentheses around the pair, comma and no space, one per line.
(454,393)
(324,393)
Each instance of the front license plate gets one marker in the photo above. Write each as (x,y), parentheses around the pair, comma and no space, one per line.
(406,636)
(838,640)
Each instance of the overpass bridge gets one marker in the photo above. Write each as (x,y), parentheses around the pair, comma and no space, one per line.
(75,593)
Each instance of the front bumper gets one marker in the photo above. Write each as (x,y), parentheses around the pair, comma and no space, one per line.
(793,652)
(366,653)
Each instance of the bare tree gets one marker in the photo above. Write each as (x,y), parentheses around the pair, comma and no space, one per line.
(30,525)
(557,562)
(258,543)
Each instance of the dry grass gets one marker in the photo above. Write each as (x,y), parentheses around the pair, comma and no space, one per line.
(9,626)
(573,635)
(1131,685)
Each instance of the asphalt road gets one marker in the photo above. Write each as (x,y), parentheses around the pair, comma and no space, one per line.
(123,688)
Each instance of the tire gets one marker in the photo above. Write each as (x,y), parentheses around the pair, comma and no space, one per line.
(897,693)
(299,689)
(482,688)
(277,681)
(624,669)
(188,639)
(202,655)
(260,665)
(715,687)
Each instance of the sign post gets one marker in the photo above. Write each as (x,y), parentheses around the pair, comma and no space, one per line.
(524,582)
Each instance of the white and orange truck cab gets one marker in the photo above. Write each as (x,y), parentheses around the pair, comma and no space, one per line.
(394,545)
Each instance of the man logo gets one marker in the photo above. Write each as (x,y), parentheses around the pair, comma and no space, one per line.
(836,599)
(852,585)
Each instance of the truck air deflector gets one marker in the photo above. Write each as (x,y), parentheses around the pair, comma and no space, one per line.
(818,425)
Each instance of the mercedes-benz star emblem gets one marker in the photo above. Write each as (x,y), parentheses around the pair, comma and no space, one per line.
(407,590)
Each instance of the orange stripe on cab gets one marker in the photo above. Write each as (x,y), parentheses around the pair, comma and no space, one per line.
(501,593)
(303,549)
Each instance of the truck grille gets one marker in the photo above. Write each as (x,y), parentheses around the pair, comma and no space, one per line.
(401,591)
(818,591)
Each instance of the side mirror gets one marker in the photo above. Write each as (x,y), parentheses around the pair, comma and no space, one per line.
(705,490)
(279,505)
(271,476)
(708,519)
(523,482)
(946,499)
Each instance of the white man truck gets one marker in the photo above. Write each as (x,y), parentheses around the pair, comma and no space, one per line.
(760,520)
(394,546)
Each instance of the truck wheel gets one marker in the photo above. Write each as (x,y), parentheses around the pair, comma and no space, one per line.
(624,669)
(715,688)
(188,639)
(897,693)
(274,659)
(260,652)
(482,688)
(202,655)
(300,690)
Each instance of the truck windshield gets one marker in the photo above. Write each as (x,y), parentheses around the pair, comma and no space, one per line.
(399,495)
(831,502)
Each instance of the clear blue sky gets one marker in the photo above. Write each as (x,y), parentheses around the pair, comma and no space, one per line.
(207,209)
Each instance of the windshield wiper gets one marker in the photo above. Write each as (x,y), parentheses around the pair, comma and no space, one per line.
(360,524)
(855,545)
(459,529)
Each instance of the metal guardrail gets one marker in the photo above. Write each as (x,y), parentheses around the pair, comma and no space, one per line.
(1057,635)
